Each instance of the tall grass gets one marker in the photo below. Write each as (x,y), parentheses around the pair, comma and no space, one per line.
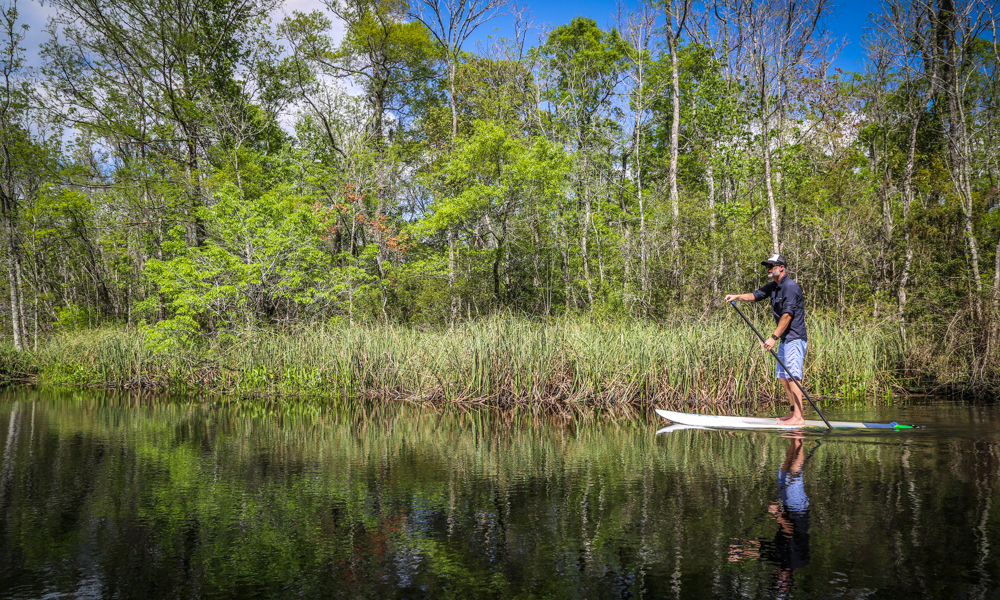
(712,364)
(14,366)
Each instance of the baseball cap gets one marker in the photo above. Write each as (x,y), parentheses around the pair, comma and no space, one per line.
(774,259)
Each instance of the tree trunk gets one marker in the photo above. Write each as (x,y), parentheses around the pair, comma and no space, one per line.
(775,246)
(951,55)
(879,164)
(14,278)
(564,250)
(961,175)
(585,250)
(675,95)
(536,256)
(626,229)
(199,233)
(995,319)
(451,234)
(453,102)
(451,277)
(911,158)
(715,274)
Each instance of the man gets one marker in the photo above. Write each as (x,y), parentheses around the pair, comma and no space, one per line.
(789,314)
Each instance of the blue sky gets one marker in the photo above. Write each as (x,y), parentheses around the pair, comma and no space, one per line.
(847,23)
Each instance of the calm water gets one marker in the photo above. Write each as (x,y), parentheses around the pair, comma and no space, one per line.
(105,496)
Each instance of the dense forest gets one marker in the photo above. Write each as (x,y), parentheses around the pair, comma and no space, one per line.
(194,167)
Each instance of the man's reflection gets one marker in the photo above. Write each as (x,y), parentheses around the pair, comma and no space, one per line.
(790,547)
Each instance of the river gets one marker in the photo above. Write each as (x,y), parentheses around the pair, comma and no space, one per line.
(107,495)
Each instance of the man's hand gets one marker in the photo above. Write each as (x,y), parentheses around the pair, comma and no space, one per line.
(769,343)
(741,297)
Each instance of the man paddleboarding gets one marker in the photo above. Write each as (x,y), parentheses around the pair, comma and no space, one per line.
(789,313)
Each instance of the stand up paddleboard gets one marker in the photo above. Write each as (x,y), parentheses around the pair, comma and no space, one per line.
(723,422)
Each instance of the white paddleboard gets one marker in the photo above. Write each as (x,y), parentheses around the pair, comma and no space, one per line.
(729,422)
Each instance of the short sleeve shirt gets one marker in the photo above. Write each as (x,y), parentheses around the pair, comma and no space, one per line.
(786,297)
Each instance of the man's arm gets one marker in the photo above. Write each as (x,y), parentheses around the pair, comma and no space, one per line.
(783,323)
(748,297)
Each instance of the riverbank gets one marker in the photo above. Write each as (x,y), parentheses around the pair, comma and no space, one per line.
(692,364)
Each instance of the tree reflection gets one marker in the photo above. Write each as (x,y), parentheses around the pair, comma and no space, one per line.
(178,499)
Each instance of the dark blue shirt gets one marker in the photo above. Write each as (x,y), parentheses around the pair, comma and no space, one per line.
(786,297)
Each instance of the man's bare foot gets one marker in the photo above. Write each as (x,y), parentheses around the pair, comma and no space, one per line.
(786,417)
(793,422)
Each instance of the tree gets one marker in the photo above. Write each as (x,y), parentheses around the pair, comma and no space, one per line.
(901,47)
(638,32)
(262,262)
(451,23)
(143,76)
(677,15)
(381,52)
(957,27)
(495,178)
(14,149)
(777,41)
(582,66)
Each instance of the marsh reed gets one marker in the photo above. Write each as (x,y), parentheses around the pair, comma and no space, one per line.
(699,364)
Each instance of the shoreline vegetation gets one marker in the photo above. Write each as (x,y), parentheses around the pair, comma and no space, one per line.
(712,364)
(192,204)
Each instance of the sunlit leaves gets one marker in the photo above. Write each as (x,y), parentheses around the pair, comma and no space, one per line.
(261,253)
(491,173)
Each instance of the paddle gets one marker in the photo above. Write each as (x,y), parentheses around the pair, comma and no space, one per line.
(775,355)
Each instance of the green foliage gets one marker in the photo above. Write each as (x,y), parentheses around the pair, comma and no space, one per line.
(260,253)
(588,62)
(491,174)
(220,179)
(74,317)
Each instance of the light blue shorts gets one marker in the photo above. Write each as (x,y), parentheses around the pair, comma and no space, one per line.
(792,353)
(792,491)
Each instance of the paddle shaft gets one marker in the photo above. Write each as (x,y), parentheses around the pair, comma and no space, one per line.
(775,355)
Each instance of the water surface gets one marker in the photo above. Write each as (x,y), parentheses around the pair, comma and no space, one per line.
(113,496)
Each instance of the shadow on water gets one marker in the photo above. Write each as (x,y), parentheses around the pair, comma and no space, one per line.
(107,495)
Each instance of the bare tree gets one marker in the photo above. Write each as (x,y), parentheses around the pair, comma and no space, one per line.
(957,27)
(777,39)
(677,14)
(451,22)
(901,46)
(637,28)
(994,338)
(12,135)
(882,117)
(717,30)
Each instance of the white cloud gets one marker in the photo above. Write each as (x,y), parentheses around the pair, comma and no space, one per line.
(35,15)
